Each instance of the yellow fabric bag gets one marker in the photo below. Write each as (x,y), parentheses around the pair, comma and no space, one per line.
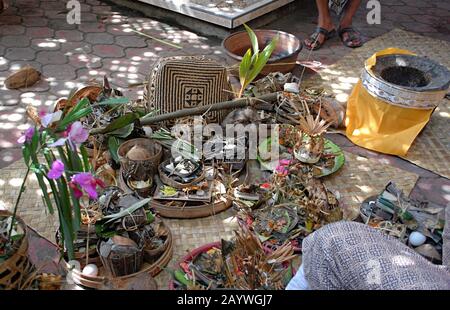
(378,125)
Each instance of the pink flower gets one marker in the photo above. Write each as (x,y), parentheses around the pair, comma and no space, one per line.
(77,134)
(27,136)
(76,191)
(281,170)
(48,119)
(57,170)
(285,162)
(88,183)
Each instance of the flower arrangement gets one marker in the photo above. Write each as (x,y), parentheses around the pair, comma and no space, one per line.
(52,149)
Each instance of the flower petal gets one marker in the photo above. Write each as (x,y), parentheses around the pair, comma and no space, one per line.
(59,142)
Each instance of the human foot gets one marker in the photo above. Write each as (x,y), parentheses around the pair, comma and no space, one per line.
(319,36)
(349,36)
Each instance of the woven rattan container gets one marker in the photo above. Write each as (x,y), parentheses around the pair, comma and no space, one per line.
(183,82)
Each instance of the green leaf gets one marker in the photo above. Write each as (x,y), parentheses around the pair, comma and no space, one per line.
(121,122)
(127,211)
(253,39)
(114,101)
(85,157)
(123,132)
(26,155)
(244,67)
(82,109)
(35,141)
(113,146)
(263,59)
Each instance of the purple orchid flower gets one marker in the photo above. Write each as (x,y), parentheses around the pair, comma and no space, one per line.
(88,183)
(76,135)
(27,136)
(57,170)
(48,119)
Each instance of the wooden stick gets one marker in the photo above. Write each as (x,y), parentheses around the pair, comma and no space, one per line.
(263,102)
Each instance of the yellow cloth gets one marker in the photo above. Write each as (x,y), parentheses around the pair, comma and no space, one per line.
(377,125)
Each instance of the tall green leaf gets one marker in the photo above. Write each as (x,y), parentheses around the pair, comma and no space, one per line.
(244,67)
(113,146)
(263,59)
(253,39)
(121,122)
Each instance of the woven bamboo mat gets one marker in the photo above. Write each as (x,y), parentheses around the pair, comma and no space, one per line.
(431,149)
(192,233)
(361,177)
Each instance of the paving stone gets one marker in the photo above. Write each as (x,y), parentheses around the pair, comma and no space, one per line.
(85,61)
(108,50)
(61,24)
(99,38)
(40,32)
(92,27)
(51,57)
(59,72)
(131,41)
(20,53)
(101,9)
(15,41)
(45,44)
(89,17)
(9,97)
(437,12)
(69,35)
(11,30)
(412,26)
(76,47)
(427,19)
(8,156)
(55,14)
(35,21)
(85,75)
(10,20)
(123,65)
(53,5)
(124,79)
(119,30)
(15,65)
(31,12)
(26,3)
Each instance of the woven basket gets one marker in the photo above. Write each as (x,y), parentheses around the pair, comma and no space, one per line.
(99,281)
(182,82)
(118,266)
(15,268)
(140,168)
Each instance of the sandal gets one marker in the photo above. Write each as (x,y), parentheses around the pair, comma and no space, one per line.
(353,39)
(314,43)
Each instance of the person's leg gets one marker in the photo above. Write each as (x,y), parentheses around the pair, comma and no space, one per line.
(349,37)
(324,21)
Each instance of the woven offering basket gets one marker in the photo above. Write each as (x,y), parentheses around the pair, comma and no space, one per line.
(148,165)
(16,267)
(100,281)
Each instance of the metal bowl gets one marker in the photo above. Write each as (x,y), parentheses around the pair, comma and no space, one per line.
(283,58)
(407,81)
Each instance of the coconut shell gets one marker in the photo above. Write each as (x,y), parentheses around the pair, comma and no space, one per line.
(25,77)
(137,152)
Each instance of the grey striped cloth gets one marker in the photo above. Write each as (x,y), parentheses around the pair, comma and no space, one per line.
(337,5)
(350,255)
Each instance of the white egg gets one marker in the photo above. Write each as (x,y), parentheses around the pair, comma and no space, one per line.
(416,238)
(90,270)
